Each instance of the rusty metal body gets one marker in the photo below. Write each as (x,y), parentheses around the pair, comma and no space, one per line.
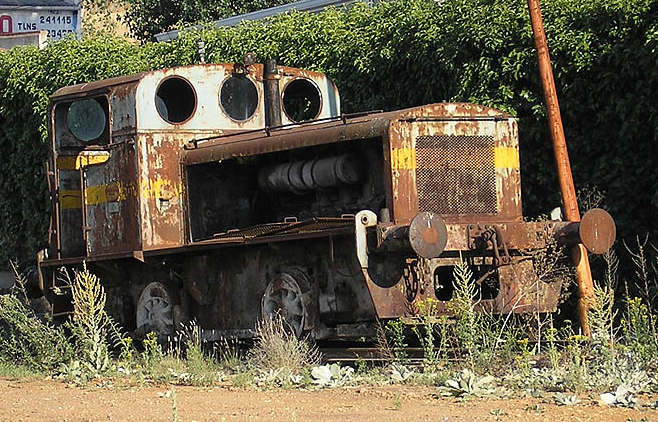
(184,196)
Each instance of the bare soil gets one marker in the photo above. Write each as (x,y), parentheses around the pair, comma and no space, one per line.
(57,401)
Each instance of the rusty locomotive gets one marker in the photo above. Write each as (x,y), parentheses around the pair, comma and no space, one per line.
(228,192)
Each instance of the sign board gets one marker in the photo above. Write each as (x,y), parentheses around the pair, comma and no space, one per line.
(56,22)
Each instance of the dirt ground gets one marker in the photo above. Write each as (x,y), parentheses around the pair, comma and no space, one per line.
(57,401)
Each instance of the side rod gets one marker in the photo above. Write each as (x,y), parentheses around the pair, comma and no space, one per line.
(569,201)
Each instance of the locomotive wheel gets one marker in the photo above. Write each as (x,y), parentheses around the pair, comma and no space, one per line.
(285,297)
(156,310)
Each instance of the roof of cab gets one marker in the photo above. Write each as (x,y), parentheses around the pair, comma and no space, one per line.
(90,88)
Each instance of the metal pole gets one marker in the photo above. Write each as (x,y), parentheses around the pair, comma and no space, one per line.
(570,203)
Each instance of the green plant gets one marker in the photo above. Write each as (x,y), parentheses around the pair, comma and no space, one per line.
(534,408)
(552,351)
(127,353)
(152,350)
(228,355)
(428,320)
(332,375)
(625,394)
(564,399)
(462,305)
(201,369)
(26,340)
(467,384)
(577,370)
(147,18)
(400,373)
(524,358)
(9,370)
(601,319)
(90,325)
(397,402)
(395,330)
(174,405)
(639,330)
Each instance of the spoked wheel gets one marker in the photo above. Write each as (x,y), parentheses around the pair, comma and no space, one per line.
(285,297)
(155,310)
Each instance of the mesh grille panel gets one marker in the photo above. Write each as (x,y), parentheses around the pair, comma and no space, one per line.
(456,174)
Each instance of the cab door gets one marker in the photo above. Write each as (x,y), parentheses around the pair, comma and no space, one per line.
(110,208)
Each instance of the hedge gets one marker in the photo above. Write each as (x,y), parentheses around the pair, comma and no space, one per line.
(395,55)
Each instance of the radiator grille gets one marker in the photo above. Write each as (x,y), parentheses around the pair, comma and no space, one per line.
(456,174)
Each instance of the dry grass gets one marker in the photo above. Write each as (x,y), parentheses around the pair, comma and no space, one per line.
(277,347)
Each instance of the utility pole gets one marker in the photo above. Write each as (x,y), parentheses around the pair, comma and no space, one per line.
(569,200)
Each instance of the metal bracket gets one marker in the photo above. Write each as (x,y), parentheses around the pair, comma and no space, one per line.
(489,237)
(362,221)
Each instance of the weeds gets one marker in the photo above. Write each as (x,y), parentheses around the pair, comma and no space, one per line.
(202,369)
(276,347)
(395,330)
(467,384)
(530,351)
(331,375)
(463,304)
(428,321)
(91,326)
(28,341)
(153,353)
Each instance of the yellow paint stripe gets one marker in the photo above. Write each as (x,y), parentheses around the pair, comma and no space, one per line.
(407,158)
(70,199)
(161,189)
(403,159)
(80,161)
(95,195)
(507,158)
(117,192)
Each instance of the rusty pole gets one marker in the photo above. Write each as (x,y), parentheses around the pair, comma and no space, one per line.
(570,203)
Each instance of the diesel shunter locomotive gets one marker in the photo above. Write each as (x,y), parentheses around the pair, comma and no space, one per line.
(225,193)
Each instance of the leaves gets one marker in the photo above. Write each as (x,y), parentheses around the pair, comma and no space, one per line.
(468,384)
(331,375)
(565,399)
(604,56)
(145,18)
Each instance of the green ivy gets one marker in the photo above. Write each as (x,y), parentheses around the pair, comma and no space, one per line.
(396,55)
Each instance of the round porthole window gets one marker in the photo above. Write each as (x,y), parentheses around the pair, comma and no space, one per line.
(301,100)
(175,100)
(86,120)
(239,97)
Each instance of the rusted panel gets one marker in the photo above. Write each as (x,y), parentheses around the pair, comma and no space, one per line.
(533,235)
(110,199)
(208,116)
(449,164)
(93,88)
(521,291)
(403,173)
(467,237)
(387,279)
(597,231)
(160,190)
(508,171)
(123,113)
(262,142)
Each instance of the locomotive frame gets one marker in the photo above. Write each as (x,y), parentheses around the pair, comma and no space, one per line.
(227,193)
